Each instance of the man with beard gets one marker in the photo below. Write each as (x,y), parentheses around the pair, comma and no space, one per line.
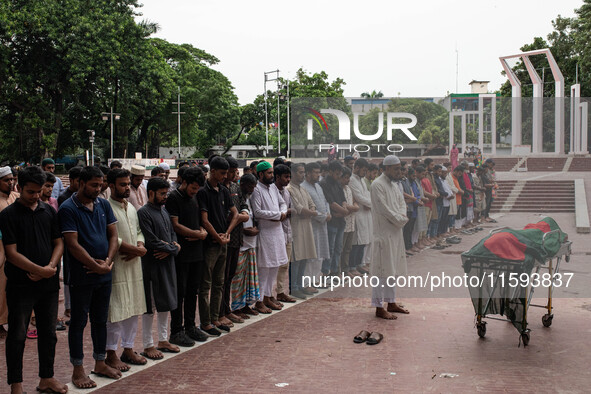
(282,175)
(138,196)
(90,231)
(127,294)
(269,210)
(304,210)
(158,266)
(388,252)
(226,316)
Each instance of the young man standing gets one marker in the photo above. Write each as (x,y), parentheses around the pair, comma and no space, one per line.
(217,209)
(158,266)
(127,294)
(49,165)
(183,208)
(226,316)
(47,190)
(33,243)
(74,176)
(282,175)
(269,209)
(90,231)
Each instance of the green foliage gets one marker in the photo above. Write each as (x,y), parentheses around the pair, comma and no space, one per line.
(64,63)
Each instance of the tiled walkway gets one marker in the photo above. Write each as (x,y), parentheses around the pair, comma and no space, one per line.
(309,347)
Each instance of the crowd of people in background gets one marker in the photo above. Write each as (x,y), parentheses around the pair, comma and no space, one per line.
(209,249)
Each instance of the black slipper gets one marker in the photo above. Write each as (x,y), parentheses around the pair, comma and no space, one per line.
(128,360)
(223,327)
(151,358)
(361,337)
(167,350)
(374,338)
(212,331)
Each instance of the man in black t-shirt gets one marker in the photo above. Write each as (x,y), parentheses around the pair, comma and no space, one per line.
(218,217)
(34,247)
(184,212)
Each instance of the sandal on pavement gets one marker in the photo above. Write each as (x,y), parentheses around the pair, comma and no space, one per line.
(374,338)
(361,337)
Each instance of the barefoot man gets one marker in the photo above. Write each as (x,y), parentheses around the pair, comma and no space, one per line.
(90,232)
(389,217)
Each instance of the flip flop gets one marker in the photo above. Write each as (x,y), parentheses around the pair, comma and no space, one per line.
(128,360)
(167,350)
(47,390)
(151,358)
(374,338)
(362,336)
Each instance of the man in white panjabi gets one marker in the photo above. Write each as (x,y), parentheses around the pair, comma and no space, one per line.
(127,294)
(269,210)
(388,252)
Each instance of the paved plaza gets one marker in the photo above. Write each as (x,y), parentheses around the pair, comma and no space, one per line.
(308,347)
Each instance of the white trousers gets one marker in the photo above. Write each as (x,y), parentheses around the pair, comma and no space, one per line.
(147,321)
(383,293)
(470,214)
(460,223)
(267,279)
(125,329)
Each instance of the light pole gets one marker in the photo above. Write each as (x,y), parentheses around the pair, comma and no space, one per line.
(179,113)
(286,97)
(91,140)
(276,72)
(113,116)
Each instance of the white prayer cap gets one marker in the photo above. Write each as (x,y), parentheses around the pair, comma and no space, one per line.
(138,170)
(443,168)
(207,166)
(164,166)
(5,171)
(391,160)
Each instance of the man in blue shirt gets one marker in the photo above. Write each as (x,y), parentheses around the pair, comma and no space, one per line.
(89,228)
(49,165)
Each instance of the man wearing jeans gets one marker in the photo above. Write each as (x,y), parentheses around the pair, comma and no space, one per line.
(335,196)
(217,210)
(30,232)
(89,228)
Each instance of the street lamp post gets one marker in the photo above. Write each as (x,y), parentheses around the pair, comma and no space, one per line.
(91,140)
(113,116)
(286,98)
(267,79)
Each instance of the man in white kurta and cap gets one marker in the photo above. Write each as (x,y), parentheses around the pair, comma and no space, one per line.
(269,210)
(127,293)
(388,211)
(138,196)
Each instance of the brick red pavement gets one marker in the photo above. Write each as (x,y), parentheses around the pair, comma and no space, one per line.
(310,347)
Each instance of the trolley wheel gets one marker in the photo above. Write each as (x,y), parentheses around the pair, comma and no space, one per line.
(547,320)
(525,338)
(481,327)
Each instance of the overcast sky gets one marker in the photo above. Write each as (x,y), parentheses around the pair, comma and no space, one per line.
(398,47)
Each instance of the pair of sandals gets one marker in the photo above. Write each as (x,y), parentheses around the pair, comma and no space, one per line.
(370,338)
(453,240)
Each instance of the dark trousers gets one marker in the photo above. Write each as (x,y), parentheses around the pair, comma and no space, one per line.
(187,279)
(489,201)
(356,256)
(443,220)
(231,262)
(407,231)
(21,302)
(212,278)
(297,269)
(88,300)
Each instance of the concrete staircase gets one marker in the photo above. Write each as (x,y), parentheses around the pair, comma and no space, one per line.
(535,196)
(545,164)
(580,164)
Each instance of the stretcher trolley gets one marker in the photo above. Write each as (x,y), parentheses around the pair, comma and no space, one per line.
(506,284)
